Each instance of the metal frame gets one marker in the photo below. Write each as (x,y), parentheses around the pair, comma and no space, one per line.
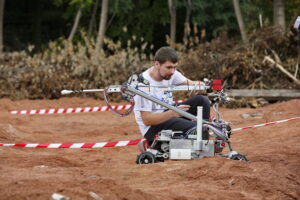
(201,147)
(158,101)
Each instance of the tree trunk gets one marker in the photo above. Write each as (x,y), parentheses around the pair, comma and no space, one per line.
(260,20)
(75,25)
(187,28)
(102,25)
(172,10)
(239,18)
(279,16)
(2,3)
(92,21)
(36,21)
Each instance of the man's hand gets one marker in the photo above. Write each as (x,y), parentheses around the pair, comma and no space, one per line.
(182,107)
(151,119)
(190,82)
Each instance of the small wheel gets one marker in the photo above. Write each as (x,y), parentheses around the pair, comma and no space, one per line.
(145,158)
(239,157)
(166,156)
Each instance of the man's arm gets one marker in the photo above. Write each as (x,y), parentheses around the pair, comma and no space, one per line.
(190,82)
(152,119)
(180,79)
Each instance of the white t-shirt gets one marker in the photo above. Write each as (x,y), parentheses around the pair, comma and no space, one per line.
(142,104)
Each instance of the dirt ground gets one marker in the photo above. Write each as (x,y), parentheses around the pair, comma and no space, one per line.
(36,173)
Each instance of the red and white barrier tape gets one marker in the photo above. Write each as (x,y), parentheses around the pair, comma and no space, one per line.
(77,145)
(73,110)
(69,110)
(266,124)
(121,143)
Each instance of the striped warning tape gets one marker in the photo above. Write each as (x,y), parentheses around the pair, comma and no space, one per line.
(122,143)
(77,145)
(69,110)
(266,124)
(73,110)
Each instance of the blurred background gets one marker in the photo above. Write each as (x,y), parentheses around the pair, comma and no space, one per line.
(47,46)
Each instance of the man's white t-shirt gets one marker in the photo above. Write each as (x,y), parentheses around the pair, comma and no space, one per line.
(142,104)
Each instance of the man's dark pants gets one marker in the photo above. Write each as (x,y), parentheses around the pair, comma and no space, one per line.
(181,123)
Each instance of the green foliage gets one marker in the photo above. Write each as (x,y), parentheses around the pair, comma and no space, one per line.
(67,65)
(214,16)
(72,6)
(292,8)
(77,65)
(147,21)
(119,6)
(250,13)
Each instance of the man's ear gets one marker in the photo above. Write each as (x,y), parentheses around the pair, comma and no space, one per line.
(156,64)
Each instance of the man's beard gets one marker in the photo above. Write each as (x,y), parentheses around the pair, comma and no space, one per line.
(167,77)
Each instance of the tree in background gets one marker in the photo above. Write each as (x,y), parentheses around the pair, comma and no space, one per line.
(187,29)
(172,11)
(289,10)
(36,20)
(240,20)
(279,15)
(2,3)
(75,24)
(213,17)
(93,19)
(139,22)
(102,25)
(80,5)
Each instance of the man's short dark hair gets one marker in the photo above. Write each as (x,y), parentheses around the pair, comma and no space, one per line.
(165,54)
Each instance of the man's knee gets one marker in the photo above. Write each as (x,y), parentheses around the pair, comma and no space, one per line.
(203,100)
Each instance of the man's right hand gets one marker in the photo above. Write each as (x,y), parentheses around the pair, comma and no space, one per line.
(151,119)
(182,107)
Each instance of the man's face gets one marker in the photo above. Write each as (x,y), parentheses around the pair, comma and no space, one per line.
(166,70)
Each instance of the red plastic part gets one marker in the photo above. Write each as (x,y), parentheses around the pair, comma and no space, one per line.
(217,85)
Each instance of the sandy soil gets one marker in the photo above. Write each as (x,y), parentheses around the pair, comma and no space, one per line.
(36,173)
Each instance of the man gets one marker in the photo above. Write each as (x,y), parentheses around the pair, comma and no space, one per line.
(151,117)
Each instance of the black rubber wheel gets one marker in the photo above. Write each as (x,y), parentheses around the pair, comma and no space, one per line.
(239,157)
(145,158)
